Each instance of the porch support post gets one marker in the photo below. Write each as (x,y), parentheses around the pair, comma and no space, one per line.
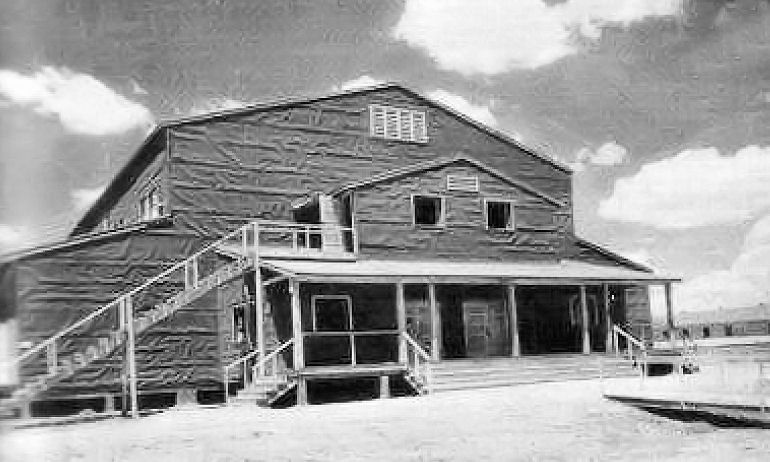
(586,321)
(515,345)
(301,391)
(669,306)
(608,318)
(670,312)
(299,347)
(435,324)
(132,382)
(401,320)
(259,305)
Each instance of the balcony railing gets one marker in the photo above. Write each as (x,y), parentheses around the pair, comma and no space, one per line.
(351,347)
(283,239)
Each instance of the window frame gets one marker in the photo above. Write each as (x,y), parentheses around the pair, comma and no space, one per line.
(442,212)
(511,226)
(313,309)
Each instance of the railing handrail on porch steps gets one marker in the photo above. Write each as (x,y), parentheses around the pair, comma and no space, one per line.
(424,377)
(271,357)
(619,331)
(631,342)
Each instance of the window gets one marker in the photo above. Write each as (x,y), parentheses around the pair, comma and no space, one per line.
(499,214)
(397,124)
(331,313)
(428,210)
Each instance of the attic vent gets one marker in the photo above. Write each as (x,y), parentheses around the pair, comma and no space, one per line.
(462,183)
(397,124)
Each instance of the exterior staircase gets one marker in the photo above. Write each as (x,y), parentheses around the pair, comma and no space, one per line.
(463,374)
(95,337)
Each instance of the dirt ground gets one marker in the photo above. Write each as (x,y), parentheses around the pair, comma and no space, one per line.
(558,421)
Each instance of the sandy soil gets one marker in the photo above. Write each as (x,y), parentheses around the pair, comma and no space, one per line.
(559,421)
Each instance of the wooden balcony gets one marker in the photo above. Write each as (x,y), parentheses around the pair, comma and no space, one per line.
(289,240)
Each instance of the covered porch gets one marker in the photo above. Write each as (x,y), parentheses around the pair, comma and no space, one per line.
(370,317)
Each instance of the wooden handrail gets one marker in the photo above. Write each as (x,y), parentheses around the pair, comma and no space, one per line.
(277,351)
(242,359)
(348,333)
(425,356)
(419,355)
(278,226)
(630,338)
(103,309)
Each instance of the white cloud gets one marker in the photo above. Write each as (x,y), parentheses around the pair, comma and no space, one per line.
(490,36)
(744,283)
(214,105)
(363,81)
(460,104)
(83,198)
(694,188)
(608,154)
(82,104)
(11,237)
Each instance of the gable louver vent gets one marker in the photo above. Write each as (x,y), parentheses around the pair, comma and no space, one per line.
(462,183)
(394,123)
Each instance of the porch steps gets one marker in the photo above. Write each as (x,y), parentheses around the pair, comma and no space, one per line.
(264,392)
(500,372)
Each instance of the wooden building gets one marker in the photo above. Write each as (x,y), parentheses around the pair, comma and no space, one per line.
(367,233)
(731,322)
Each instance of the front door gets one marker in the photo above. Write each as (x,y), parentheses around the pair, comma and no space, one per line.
(486,328)
(476,333)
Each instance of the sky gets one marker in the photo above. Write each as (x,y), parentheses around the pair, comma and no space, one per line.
(661,107)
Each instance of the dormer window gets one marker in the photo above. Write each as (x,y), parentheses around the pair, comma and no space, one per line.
(499,214)
(428,210)
(400,124)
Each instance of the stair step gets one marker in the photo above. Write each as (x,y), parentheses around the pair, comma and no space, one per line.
(501,383)
(466,374)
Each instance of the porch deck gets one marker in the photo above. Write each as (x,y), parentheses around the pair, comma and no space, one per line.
(347,370)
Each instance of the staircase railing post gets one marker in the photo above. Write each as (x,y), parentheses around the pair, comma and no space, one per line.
(52,358)
(132,357)
(194,263)
(123,332)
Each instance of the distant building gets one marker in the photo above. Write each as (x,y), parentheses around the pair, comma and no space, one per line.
(726,322)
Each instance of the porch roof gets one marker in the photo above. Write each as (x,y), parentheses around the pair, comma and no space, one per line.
(567,272)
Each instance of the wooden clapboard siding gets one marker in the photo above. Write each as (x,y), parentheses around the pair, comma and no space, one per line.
(254,164)
(383,212)
(60,286)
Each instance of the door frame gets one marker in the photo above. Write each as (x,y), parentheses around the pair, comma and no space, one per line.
(467,315)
